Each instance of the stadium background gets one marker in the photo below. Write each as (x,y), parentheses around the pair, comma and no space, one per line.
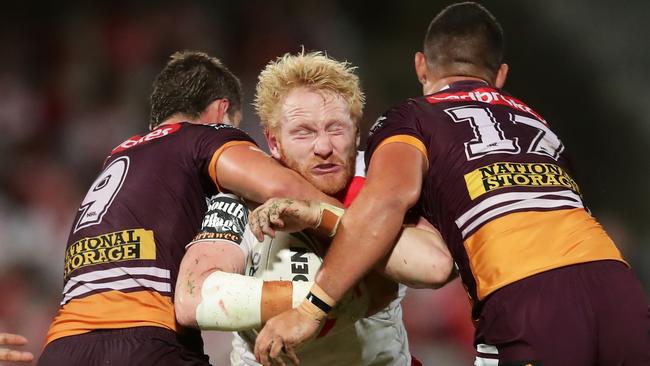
(75,79)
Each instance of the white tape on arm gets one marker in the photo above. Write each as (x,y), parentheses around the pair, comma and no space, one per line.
(230,302)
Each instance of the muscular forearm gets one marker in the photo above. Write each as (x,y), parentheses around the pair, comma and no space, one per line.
(419,258)
(200,261)
(367,231)
(233,302)
(358,245)
(251,174)
(213,294)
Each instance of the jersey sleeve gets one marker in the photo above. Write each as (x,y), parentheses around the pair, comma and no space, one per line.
(212,141)
(225,220)
(398,124)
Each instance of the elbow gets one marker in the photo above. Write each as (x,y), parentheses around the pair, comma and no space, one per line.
(432,275)
(185,311)
(440,273)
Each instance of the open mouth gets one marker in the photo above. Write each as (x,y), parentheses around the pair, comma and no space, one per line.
(325,168)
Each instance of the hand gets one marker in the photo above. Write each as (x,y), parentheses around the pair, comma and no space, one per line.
(284,333)
(7,354)
(283,214)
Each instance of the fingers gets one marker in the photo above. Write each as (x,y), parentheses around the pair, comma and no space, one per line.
(262,344)
(264,219)
(284,214)
(274,353)
(274,217)
(268,346)
(12,339)
(259,223)
(253,223)
(291,353)
(265,227)
(13,355)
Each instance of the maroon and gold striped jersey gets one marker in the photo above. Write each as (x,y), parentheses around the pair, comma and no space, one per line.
(129,236)
(498,186)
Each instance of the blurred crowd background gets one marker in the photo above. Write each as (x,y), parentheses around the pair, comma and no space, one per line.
(75,79)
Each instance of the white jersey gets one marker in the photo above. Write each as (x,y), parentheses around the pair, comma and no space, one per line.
(377,340)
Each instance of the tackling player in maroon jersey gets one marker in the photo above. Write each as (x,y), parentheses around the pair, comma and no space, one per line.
(128,238)
(547,283)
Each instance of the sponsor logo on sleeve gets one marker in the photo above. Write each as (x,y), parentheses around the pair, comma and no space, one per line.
(225,218)
(501,175)
(134,244)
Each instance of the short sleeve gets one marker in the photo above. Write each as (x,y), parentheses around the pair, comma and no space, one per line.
(225,219)
(211,141)
(398,124)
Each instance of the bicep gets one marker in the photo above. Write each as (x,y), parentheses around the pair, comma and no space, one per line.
(395,173)
(250,173)
(201,260)
(215,255)
(374,219)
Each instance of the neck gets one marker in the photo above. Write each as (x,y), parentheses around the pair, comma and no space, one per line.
(443,82)
(174,120)
(197,121)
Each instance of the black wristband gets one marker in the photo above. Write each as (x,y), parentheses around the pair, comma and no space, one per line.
(318,302)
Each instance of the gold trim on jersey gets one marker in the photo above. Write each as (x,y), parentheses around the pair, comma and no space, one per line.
(113,310)
(212,168)
(406,139)
(522,244)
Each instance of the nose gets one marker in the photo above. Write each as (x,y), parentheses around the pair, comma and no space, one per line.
(323,145)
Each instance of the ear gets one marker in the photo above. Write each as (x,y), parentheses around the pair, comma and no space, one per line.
(216,112)
(358,139)
(273,143)
(421,68)
(502,74)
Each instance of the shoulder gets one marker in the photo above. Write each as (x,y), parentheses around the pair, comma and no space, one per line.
(215,129)
(396,113)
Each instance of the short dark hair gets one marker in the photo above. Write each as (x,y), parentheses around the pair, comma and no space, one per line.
(465,39)
(189,83)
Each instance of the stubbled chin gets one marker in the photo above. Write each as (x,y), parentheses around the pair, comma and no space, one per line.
(328,184)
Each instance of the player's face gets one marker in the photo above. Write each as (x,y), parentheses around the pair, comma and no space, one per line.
(317,138)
